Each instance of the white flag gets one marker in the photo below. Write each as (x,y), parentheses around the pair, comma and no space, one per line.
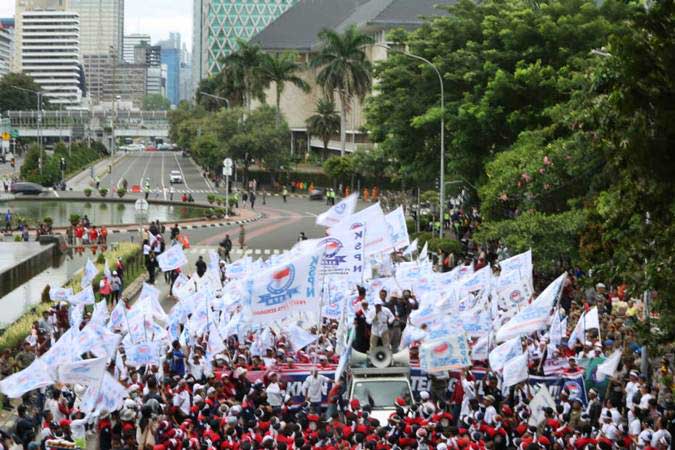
(479,352)
(515,370)
(339,212)
(398,229)
(89,273)
(587,321)
(343,254)
(60,294)
(610,365)
(542,399)
(32,377)
(377,238)
(299,338)
(172,258)
(87,372)
(279,291)
(109,396)
(215,343)
(424,254)
(411,248)
(535,315)
(84,297)
(505,352)
(450,352)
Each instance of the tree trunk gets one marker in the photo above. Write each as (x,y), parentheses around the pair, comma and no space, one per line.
(280,89)
(343,124)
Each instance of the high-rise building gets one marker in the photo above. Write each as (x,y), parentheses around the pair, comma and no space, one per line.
(101,25)
(171,58)
(218,24)
(185,90)
(49,49)
(30,5)
(131,41)
(111,77)
(6,45)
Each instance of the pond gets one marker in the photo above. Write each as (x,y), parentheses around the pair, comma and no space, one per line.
(99,213)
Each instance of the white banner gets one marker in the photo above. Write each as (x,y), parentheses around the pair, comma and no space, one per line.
(87,372)
(108,397)
(339,212)
(142,354)
(377,238)
(275,293)
(441,355)
(505,352)
(515,370)
(84,297)
(60,294)
(398,229)
(89,273)
(32,377)
(299,338)
(535,315)
(172,258)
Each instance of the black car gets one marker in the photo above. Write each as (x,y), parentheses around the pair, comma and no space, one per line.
(26,188)
(316,194)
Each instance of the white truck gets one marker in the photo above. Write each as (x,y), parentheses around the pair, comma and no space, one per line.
(380,388)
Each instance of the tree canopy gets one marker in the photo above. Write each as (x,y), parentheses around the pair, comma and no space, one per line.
(156,102)
(13,99)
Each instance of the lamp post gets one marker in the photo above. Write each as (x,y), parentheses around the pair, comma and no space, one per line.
(39,119)
(440,81)
(217,97)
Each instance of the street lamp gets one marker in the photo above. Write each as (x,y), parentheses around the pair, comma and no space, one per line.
(440,81)
(39,119)
(217,97)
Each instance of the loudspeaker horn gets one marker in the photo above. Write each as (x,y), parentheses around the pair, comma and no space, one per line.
(380,357)
(358,359)
(402,358)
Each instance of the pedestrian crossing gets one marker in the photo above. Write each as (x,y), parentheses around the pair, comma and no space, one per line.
(238,251)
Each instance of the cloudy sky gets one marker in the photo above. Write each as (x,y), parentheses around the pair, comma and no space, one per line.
(155,17)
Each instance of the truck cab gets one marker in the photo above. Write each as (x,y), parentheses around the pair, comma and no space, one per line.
(379,388)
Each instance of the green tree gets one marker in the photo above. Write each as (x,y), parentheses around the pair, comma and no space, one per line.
(325,122)
(343,70)
(282,68)
(242,70)
(13,99)
(339,168)
(156,102)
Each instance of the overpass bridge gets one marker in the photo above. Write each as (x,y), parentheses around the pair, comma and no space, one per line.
(80,125)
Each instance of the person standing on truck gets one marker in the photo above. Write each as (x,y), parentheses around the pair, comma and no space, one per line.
(312,389)
(379,320)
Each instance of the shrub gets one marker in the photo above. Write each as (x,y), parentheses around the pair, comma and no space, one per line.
(103,192)
(100,259)
(17,238)
(121,192)
(446,245)
(87,192)
(48,220)
(211,198)
(210,212)
(74,219)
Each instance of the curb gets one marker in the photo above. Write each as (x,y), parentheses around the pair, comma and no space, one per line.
(194,227)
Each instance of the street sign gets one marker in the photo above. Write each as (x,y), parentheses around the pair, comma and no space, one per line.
(227,162)
(227,171)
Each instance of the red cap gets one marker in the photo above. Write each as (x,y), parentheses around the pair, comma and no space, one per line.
(64,423)
(355,404)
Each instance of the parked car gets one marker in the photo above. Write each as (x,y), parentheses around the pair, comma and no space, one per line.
(316,194)
(26,188)
(151,148)
(175,177)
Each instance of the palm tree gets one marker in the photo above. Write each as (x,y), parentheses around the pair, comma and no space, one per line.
(243,69)
(325,122)
(344,69)
(282,68)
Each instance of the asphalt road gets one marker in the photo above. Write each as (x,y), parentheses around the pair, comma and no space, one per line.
(155,167)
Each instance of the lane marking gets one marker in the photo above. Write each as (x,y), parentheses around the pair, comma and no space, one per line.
(181,173)
(162,177)
(130,160)
(311,214)
(206,179)
(145,170)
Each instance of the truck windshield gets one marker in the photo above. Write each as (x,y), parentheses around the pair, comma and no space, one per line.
(381,394)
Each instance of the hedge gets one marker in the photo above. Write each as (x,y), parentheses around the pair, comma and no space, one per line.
(436,244)
(132,258)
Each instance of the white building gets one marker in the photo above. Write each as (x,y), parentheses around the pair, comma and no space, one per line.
(6,45)
(49,49)
(131,41)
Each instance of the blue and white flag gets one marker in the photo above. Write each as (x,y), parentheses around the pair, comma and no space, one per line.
(423,257)
(86,372)
(535,315)
(505,352)
(343,254)
(60,294)
(100,315)
(411,248)
(35,376)
(479,351)
(339,212)
(75,315)
(89,273)
(377,238)
(282,290)
(84,297)
(172,259)
(450,353)
(145,353)
(108,396)
(216,342)
(398,229)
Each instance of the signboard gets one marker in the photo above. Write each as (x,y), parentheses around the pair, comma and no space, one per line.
(227,171)
(227,162)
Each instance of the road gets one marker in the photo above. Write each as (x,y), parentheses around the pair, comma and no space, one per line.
(155,167)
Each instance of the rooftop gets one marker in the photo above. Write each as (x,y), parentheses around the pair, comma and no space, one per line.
(298,28)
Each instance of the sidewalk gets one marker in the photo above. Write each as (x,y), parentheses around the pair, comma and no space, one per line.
(82,180)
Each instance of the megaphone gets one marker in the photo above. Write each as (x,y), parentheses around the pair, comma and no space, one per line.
(358,359)
(401,358)
(380,357)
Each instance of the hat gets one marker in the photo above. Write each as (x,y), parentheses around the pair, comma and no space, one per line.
(64,423)
(600,286)
(424,395)
(489,398)
(210,390)
(355,404)
(634,373)
(127,415)
(197,398)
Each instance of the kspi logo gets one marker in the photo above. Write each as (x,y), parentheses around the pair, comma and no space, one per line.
(279,289)
(441,349)
(340,208)
(516,295)
(573,388)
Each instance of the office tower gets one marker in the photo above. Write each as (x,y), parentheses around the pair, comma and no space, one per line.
(171,59)
(101,25)
(49,49)
(6,45)
(131,41)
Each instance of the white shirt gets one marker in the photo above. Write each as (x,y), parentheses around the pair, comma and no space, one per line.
(490,414)
(634,427)
(644,401)
(658,434)
(146,249)
(631,388)
(275,396)
(182,401)
(312,388)
(379,322)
